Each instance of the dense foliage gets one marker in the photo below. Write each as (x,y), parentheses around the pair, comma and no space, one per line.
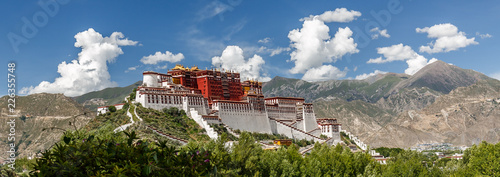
(388,152)
(84,154)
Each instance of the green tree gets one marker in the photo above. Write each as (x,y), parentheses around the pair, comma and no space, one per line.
(112,109)
(245,155)
(406,163)
(482,160)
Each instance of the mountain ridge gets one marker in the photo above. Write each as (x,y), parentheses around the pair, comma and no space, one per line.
(409,106)
(109,96)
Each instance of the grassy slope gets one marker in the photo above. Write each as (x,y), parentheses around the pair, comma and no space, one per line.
(176,124)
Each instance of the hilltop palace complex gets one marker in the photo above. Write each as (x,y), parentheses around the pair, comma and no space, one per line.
(219,97)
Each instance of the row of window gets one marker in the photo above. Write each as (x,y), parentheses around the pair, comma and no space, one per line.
(327,128)
(166,99)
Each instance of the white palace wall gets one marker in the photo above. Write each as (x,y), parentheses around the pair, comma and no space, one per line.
(293,133)
(243,117)
(309,122)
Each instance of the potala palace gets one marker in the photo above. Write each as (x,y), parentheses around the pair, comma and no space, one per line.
(219,97)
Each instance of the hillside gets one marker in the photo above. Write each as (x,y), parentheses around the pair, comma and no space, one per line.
(359,117)
(44,104)
(43,119)
(465,116)
(107,96)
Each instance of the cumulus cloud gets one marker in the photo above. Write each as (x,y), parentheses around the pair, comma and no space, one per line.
(415,64)
(90,71)
(448,38)
(365,75)
(313,46)
(232,59)
(377,32)
(400,52)
(161,57)
(483,36)
(339,15)
(394,53)
(265,40)
(324,72)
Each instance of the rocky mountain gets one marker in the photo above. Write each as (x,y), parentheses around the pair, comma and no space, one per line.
(41,120)
(441,77)
(465,116)
(399,110)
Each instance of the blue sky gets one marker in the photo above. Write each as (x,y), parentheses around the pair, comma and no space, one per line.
(261,39)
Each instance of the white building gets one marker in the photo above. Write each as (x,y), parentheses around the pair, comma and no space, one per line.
(105,109)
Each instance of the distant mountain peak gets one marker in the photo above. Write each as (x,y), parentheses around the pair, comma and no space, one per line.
(442,77)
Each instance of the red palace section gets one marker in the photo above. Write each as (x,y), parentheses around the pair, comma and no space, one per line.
(213,84)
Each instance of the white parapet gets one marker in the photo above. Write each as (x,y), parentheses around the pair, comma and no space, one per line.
(197,117)
(357,141)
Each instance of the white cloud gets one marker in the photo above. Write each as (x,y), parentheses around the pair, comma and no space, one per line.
(271,52)
(415,64)
(313,45)
(400,52)
(379,32)
(483,36)
(448,38)
(232,59)
(133,68)
(324,72)
(161,57)
(339,15)
(365,75)
(213,9)
(384,33)
(90,71)
(261,49)
(265,40)
(394,53)
(495,75)
(279,50)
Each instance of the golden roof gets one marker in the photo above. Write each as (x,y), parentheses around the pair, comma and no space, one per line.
(194,68)
(179,67)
